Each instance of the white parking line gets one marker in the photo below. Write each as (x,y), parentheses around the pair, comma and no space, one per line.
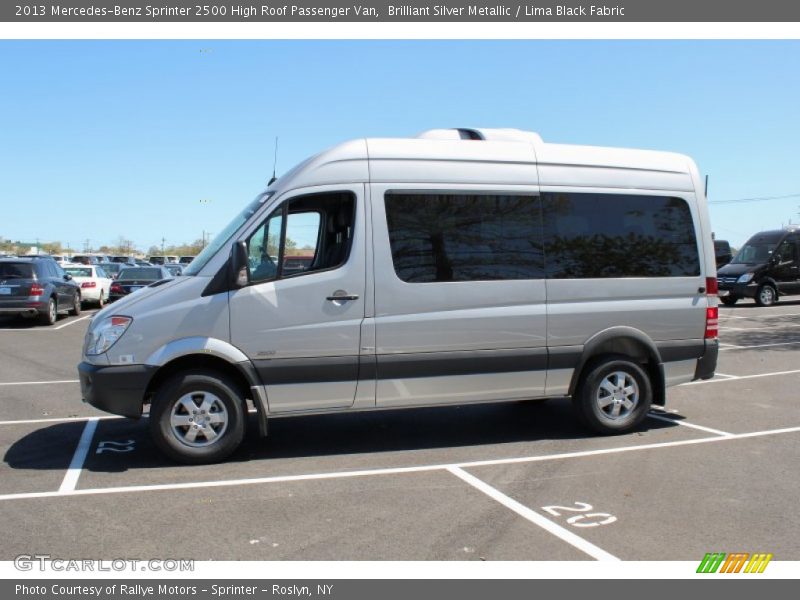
(740,377)
(76,466)
(686,424)
(45,329)
(78,320)
(391,470)
(733,347)
(58,420)
(769,316)
(40,382)
(532,516)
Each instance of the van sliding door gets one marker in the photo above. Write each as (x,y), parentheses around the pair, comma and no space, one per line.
(459,294)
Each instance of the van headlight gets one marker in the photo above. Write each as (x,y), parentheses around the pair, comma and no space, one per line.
(106,335)
(745,278)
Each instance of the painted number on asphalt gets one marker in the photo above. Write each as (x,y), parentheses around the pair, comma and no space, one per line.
(110,446)
(585,518)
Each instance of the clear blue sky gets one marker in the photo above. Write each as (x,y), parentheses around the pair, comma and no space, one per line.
(100,139)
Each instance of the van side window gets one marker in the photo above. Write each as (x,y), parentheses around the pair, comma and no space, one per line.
(308,233)
(464,237)
(618,235)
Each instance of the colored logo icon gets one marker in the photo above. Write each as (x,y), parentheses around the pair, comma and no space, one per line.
(736,562)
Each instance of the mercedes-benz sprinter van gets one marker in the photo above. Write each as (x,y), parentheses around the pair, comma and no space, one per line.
(460,266)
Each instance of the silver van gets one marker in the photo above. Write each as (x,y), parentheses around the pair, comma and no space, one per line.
(460,266)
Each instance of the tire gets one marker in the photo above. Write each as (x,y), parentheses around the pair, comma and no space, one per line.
(766,295)
(101,301)
(187,435)
(729,300)
(607,381)
(76,305)
(50,316)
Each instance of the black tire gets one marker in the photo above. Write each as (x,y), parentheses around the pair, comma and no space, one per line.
(50,316)
(174,441)
(588,398)
(729,300)
(76,305)
(766,295)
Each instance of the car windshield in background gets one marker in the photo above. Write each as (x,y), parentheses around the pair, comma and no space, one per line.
(112,267)
(78,271)
(220,240)
(174,269)
(15,271)
(141,274)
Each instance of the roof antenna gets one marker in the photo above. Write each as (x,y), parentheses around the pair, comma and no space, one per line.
(274,164)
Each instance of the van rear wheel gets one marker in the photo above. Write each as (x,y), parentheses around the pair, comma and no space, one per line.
(197,418)
(614,396)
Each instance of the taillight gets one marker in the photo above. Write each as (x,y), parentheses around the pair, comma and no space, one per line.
(712,323)
(115,287)
(712,286)
(36,290)
(88,284)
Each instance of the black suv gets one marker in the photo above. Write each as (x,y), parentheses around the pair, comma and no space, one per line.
(37,287)
(722,253)
(767,267)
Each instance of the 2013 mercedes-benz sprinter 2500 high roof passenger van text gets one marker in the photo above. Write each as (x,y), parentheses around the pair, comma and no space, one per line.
(460,266)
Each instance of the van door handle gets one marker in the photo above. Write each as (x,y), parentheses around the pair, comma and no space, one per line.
(341,295)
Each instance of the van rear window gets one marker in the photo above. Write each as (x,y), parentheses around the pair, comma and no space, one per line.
(618,235)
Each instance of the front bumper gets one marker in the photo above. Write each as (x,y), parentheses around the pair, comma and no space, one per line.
(115,389)
(740,290)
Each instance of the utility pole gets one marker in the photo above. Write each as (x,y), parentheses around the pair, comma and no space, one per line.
(86,245)
(163,240)
(37,246)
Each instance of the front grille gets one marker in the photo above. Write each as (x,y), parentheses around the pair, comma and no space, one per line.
(727,280)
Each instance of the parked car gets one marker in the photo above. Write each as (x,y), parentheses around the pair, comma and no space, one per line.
(132,279)
(162,260)
(112,269)
(462,266)
(175,269)
(94,281)
(37,287)
(722,253)
(765,269)
(127,260)
(186,260)
(84,259)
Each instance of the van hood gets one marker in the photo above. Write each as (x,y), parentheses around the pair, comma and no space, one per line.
(736,269)
(124,304)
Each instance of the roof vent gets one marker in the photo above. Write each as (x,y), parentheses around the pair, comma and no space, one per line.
(498,135)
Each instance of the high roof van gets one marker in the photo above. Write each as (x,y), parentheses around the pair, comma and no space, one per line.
(460,266)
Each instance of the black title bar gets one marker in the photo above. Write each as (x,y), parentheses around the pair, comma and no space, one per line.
(187,11)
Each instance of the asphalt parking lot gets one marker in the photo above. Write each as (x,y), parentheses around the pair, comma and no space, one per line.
(714,471)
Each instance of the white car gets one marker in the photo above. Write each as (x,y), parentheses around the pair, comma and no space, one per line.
(94,281)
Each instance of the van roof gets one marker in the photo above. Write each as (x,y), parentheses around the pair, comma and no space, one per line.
(502,156)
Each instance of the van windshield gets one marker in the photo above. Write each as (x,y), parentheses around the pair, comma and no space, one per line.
(755,252)
(223,236)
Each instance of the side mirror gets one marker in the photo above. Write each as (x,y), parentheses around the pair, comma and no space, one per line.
(776,259)
(67,277)
(239,272)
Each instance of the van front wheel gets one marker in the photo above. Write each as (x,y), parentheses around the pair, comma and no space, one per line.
(614,396)
(197,418)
